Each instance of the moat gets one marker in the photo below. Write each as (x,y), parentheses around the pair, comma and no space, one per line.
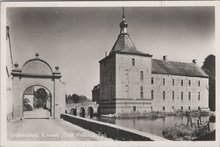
(153,126)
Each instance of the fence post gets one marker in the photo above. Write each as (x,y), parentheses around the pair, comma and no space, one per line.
(198,123)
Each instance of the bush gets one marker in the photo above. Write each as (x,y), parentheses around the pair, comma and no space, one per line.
(184,132)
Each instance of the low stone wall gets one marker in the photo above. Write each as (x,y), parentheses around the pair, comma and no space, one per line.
(111,130)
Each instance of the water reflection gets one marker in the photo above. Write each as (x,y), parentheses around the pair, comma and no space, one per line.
(149,125)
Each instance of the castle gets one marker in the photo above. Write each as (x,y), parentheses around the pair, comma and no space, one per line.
(131,80)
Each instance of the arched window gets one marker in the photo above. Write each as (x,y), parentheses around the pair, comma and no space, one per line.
(141,75)
(152,80)
(141,92)
(152,94)
(164,82)
(181,95)
(163,95)
(133,61)
(189,95)
(163,108)
(181,82)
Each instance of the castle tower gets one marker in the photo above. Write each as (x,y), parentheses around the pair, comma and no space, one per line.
(125,77)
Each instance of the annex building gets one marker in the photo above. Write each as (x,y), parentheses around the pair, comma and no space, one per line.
(131,80)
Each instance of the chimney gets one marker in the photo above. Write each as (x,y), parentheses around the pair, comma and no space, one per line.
(106,54)
(165,58)
(194,61)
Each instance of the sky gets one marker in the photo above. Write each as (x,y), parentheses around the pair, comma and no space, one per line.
(75,39)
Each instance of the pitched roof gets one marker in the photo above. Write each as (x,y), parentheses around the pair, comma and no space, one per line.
(177,68)
(124,44)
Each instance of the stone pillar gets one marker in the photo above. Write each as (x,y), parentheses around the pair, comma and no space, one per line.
(78,111)
(58,98)
(17,106)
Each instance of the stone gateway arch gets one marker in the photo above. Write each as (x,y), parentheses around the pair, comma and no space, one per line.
(37,72)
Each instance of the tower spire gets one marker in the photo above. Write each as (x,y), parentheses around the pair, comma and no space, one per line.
(123,12)
(123,24)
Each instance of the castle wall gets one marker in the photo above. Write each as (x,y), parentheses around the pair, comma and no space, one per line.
(132,83)
(107,86)
(173,101)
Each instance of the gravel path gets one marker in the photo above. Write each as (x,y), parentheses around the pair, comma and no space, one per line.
(49,130)
(37,113)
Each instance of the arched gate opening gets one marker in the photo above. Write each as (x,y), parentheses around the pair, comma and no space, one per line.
(90,112)
(73,111)
(37,102)
(82,112)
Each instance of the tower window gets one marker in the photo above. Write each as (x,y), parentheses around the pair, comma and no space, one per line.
(199,83)
(173,95)
(173,107)
(173,82)
(141,92)
(163,95)
(164,82)
(152,94)
(133,61)
(199,96)
(181,82)
(189,82)
(189,95)
(189,107)
(163,108)
(134,108)
(181,107)
(152,80)
(141,75)
(181,95)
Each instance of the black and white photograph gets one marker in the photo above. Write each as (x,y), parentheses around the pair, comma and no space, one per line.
(113,74)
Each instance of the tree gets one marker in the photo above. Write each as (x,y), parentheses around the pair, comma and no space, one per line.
(27,106)
(209,68)
(40,98)
(76,98)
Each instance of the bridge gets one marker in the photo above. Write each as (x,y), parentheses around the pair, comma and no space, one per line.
(84,109)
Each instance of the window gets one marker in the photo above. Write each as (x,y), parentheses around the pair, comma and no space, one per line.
(133,61)
(189,82)
(141,75)
(181,107)
(163,108)
(181,95)
(163,95)
(141,92)
(151,108)
(199,83)
(199,96)
(173,107)
(152,80)
(199,108)
(173,95)
(173,82)
(164,81)
(189,107)
(181,82)
(134,108)
(152,94)
(189,95)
